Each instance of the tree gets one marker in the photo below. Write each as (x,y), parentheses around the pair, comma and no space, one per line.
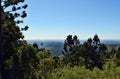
(35,45)
(95,53)
(71,45)
(24,62)
(10,32)
(45,63)
(117,60)
(96,39)
(91,53)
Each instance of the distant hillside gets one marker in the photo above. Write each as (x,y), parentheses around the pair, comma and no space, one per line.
(56,46)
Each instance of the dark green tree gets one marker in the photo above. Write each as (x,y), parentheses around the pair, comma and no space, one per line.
(117,60)
(91,53)
(10,32)
(35,45)
(96,40)
(71,44)
(95,53)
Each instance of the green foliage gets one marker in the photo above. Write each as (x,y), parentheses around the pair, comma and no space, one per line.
(96,62)
(45,63)
(91,54)
(82,73)
(19,60)
(70,52)
(69,44)
(21,63)
(10,34)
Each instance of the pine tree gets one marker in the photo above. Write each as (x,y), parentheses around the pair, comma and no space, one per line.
(10,32)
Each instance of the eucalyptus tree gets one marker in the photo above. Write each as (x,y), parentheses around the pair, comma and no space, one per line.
(71,45)
(96,39)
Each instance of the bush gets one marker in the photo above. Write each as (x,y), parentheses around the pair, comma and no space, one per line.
(78,72)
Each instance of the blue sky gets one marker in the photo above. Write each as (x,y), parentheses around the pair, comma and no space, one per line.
(55,19)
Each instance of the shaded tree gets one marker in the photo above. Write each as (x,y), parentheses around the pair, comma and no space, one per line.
(10,32)
(91,53)
(71,45)
(117,60)
(35,45)
(96,39)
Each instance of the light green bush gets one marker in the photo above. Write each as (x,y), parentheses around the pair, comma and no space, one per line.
(83,73)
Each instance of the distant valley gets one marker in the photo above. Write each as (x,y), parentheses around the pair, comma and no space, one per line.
(56,46)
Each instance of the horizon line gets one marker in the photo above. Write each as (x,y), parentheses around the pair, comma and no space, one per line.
(64,39)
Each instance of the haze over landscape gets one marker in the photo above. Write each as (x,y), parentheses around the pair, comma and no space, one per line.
(55,19)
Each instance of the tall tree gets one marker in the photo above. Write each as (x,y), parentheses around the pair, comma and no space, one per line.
(10,32)
(70,43)
(96,39)
(70,47)
(91,53)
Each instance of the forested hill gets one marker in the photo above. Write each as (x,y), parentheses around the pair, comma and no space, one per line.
(56,46)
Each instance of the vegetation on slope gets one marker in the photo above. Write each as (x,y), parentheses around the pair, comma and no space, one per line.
(19,60)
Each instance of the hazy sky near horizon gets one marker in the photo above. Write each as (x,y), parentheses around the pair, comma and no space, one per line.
(55,19)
